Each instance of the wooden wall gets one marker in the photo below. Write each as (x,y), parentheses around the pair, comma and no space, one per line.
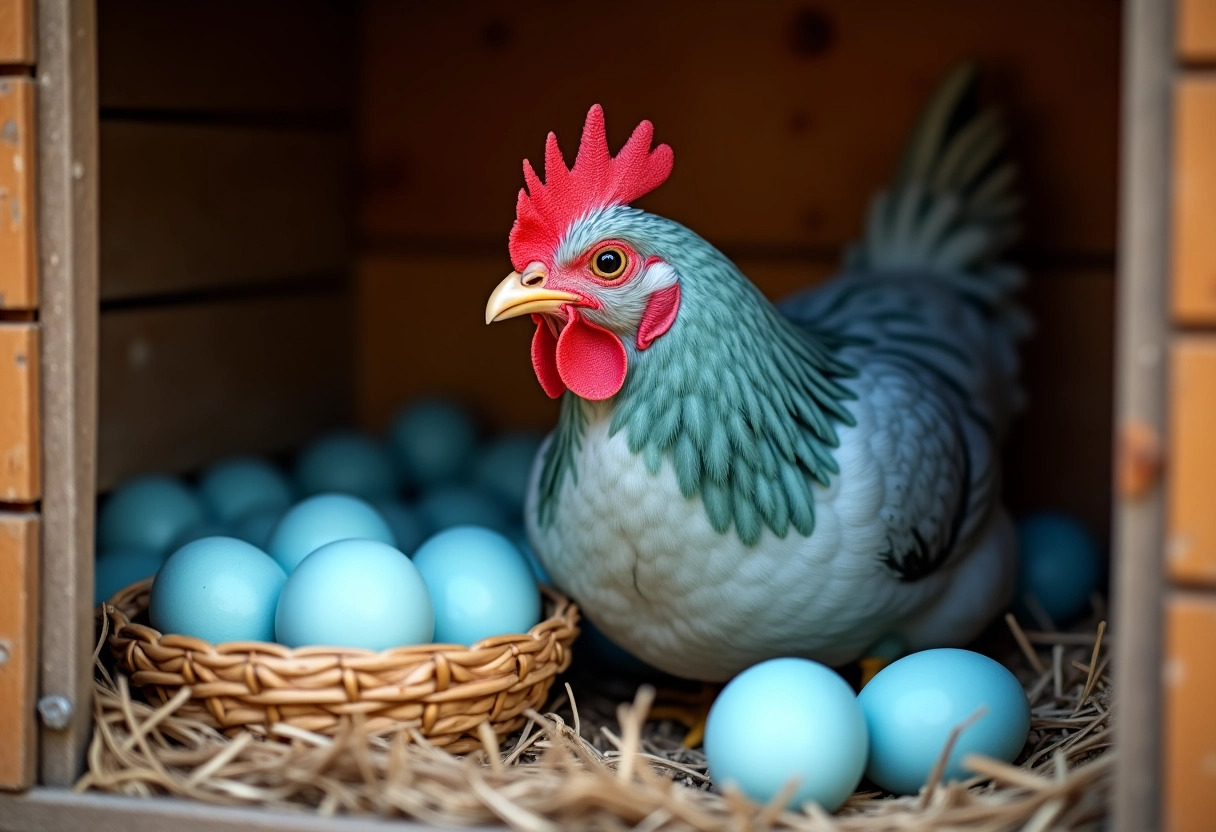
(784,116)
(226,205)
(1190,546)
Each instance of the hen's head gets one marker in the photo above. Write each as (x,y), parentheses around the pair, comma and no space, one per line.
(589,269)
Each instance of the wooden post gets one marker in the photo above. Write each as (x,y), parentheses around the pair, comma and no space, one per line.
(1144,233)
(67,170)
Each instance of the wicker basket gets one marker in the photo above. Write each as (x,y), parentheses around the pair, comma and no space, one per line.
(444,691)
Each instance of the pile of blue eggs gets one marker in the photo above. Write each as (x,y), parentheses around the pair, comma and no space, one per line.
(363,542)
(794,721)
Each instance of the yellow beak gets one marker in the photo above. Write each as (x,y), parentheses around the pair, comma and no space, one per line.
(524,294)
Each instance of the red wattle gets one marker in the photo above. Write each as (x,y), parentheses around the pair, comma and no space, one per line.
(544,359)
(590,360)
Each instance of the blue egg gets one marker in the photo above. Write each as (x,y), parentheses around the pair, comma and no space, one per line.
(787,719)
(408,527)
(355,593)
(239,486)
(148,512)
(433,442)
(257,526)
(325,518)
(912,706)
(346,462)
(119,569)
(461,505)
(503,466)
(1059,566)
(480,584)
(218,589)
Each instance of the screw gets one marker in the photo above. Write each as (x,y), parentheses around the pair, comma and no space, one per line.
(56,711)
(6,651)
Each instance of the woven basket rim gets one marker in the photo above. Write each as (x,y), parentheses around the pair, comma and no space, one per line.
(124,606)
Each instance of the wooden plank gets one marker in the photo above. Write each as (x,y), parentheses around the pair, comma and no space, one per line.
(183,384)
(61,810)
(1146,124)
(1195,202)
(188,207)
(20,451)
(67,222)
(1191,547)
(227,56)
(1197,30)
(18,648)
(1190,731)
(16,32)
(18,209)
(784,120)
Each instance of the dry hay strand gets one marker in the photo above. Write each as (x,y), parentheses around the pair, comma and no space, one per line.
(596,763)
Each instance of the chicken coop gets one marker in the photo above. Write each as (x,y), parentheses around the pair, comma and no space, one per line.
(228,226)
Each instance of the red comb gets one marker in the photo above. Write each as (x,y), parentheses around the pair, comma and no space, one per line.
(545,210)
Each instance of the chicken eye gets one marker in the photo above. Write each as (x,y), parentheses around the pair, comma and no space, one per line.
(609,263)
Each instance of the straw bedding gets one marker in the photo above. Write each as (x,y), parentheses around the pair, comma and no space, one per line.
(593,761)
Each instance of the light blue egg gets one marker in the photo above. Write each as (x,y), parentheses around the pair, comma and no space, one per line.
(408,527)
(235,487)
(503,466)
(208,528)
(432,442)
(345,462)
(148,512)
(257,526)
(355,593)
(912,706)
(218,589)
(1059,566)
(461,505)
(784,719)
(325,518)
(480,584)
(119,569)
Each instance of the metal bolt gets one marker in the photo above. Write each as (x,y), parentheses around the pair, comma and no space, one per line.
(56,711)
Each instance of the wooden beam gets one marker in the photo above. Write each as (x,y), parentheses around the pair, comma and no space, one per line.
(60,810)
(18,648)
(18,204)
(1194,180)
(1140,403)
(67,214)
(1197,31)
(1190,731)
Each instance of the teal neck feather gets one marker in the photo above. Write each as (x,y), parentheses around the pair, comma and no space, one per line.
(741,401)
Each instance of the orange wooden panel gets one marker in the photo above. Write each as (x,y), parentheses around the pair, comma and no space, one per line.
(1194,290)
(18,647)
(20,464)
(18,240)
(1192,461)
(16,32)
(1197,30)
(1190,722)
(785,116)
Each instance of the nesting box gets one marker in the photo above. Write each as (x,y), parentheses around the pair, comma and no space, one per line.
(227,226)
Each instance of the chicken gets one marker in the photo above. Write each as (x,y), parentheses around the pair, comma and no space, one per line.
(731,481)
